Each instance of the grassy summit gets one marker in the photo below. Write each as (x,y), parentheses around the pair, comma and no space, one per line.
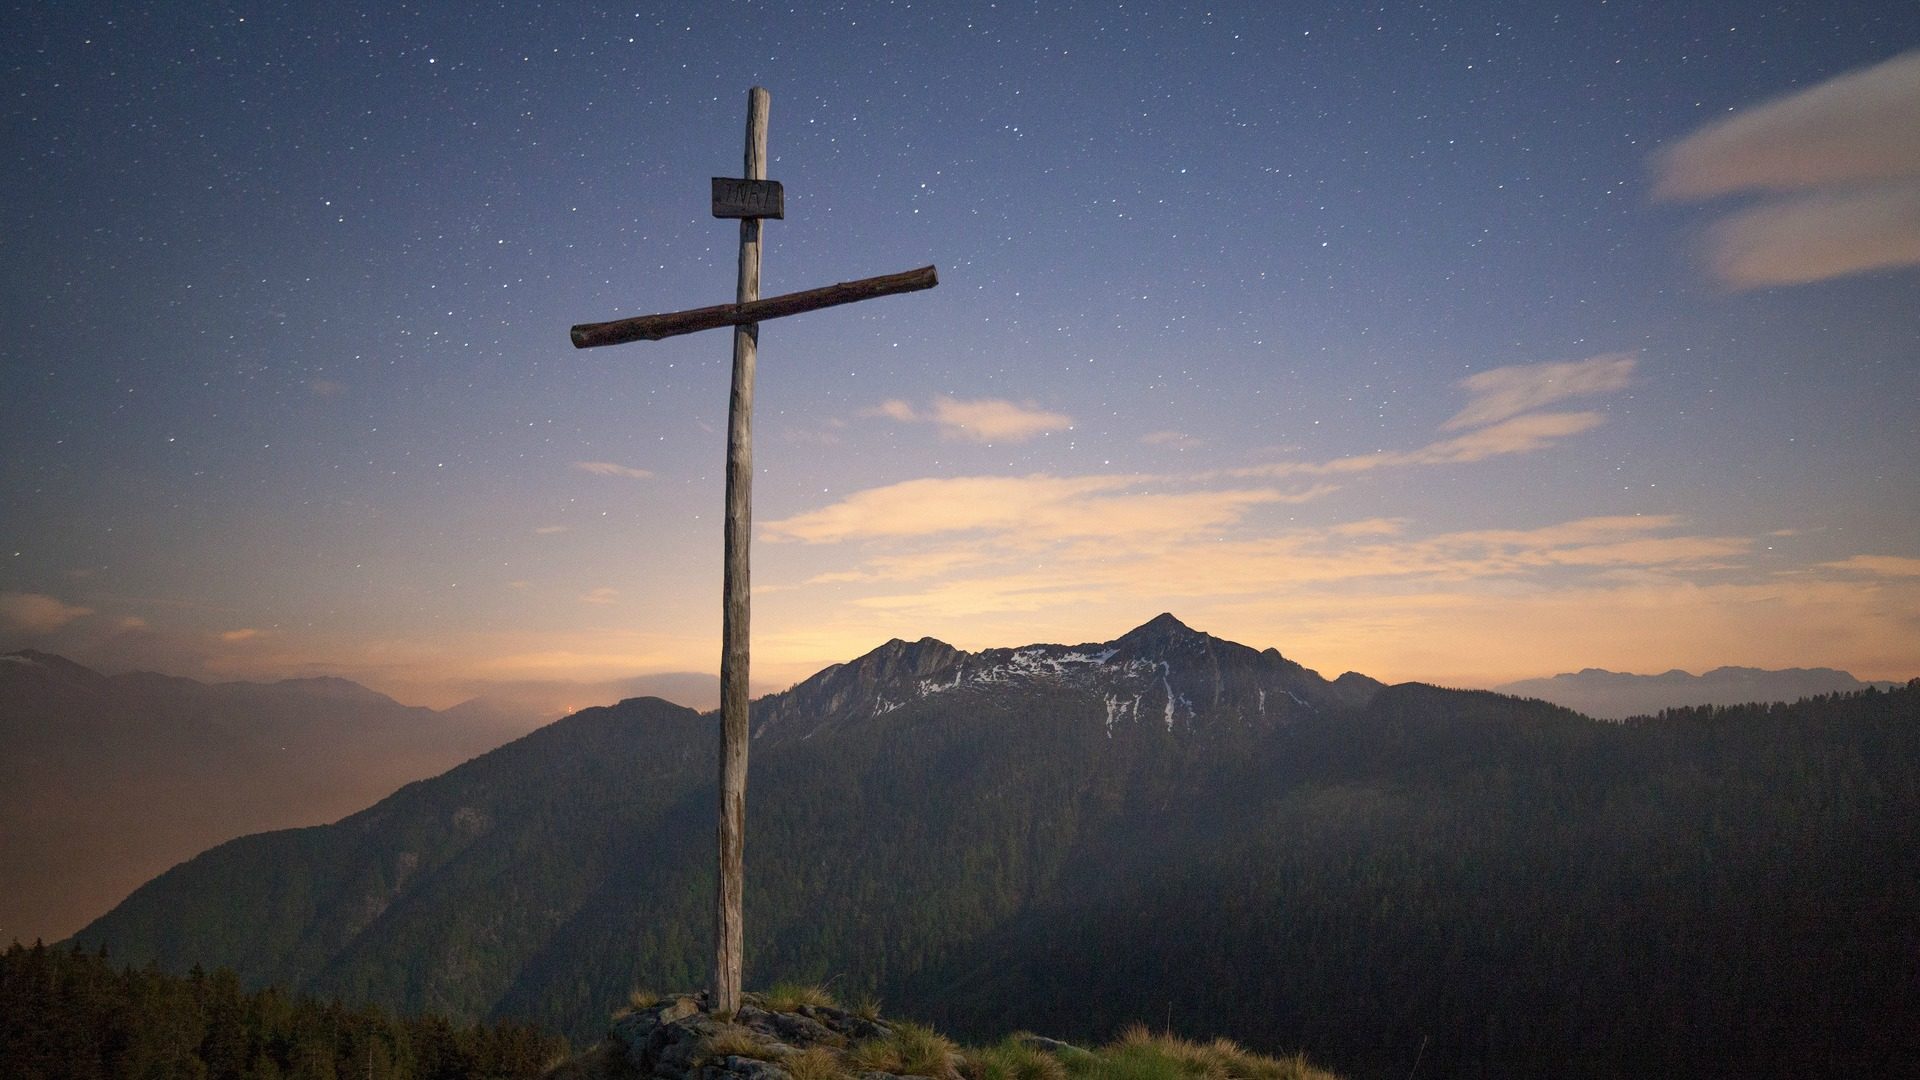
(802,1033)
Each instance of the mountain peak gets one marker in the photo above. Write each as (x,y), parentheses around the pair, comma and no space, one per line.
(1165,622)
(1162,627)
(899,655)
(332,687)
(49,665)
(1162,671)
(35,656)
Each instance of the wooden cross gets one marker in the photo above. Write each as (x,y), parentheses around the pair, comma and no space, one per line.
(750,199)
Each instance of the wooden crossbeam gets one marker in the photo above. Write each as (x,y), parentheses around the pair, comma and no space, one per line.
(655,327)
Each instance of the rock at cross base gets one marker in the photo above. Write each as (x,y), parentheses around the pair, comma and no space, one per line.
(676,1038)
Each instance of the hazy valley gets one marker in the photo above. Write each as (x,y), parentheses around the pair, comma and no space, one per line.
(109,780)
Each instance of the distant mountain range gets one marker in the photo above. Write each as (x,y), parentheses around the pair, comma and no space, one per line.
(1616,695)
(1166,826)
(105,781)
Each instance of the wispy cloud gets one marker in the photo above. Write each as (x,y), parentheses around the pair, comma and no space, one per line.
(1372,572)
(1338,555)
(608,468)
(245,633)
(978,420)
(602,595)
(1520,435)
(1505,392)
(1850,145)
(1179,440)
(1852,128)
(1133,508)
(911,566)
(1393,597)
(1815,237)
(1890,566)
(1015,552)
(37,612)
(1496,420)
(1037,508)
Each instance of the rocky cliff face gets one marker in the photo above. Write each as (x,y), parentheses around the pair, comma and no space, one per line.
(1162,672)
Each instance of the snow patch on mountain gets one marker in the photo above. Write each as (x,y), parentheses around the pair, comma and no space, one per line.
(1162,673)
(1053,664)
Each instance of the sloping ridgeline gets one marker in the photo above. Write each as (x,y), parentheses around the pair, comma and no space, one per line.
(1166,826)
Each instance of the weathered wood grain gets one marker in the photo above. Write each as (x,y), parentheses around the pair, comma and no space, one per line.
(670,324)
(736,590)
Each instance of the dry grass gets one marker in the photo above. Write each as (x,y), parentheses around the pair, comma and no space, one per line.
(868,1008)
(636,1001)
(816,1063)
(912,1050)
(1012,1059)
(787,997)
(736,1041)
(1139,1054)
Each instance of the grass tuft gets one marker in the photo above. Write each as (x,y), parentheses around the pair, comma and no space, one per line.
(815,1063)
(736,1041)
(1012,1059)
(868,1008)
(912,1050)
(637,1000)
(787,997)
(1139,1054)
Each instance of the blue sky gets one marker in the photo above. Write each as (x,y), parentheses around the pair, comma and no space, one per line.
(1460,343)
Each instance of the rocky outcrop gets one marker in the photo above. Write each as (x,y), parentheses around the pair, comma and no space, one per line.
(861,687)
(677,1038)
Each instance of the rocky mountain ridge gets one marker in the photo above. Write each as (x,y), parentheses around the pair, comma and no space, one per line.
(1161,672)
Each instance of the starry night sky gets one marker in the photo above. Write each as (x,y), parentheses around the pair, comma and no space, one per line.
(1455,342)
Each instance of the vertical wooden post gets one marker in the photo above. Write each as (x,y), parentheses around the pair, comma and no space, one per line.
(727,937)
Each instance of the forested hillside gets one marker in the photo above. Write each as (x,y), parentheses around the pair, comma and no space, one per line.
(1478,880)
(1715,891)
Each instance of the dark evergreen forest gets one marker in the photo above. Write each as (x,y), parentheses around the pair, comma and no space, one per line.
(1709,892)
(73,1015)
